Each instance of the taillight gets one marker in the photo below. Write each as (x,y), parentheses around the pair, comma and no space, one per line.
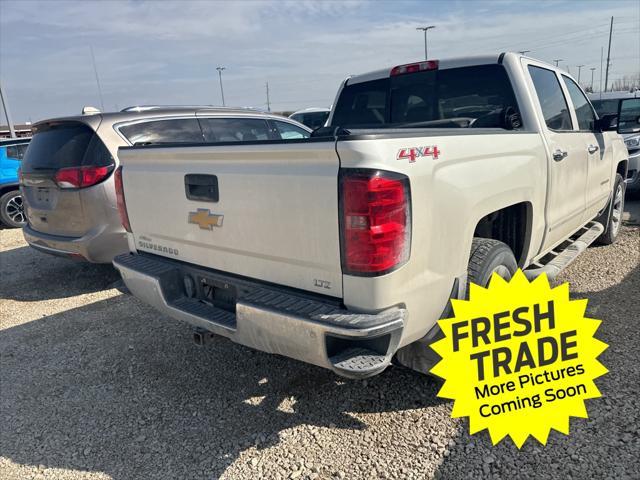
(375,221)
(122,205)
(81,177)
(414,67)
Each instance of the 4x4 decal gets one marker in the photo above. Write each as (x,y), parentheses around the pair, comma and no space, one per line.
(412,153)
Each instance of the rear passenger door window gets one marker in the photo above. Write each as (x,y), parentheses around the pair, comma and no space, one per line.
(177,130)
(287,131)
(584,112)
(554,106)
(234,129)
(16,152)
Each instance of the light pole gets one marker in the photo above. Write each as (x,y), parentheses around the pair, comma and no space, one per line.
(557,61)
(425,30)
(592,70)
(522,52)
(7,113)
(220,69)
(579,68)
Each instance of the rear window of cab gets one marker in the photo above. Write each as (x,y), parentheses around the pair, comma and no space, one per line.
(476,96)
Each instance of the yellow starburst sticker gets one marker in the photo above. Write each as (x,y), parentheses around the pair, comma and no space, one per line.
(519,358)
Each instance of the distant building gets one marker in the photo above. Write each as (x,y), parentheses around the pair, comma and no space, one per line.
(22,130)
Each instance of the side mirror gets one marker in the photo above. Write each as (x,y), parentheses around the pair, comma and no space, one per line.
(607,123)
(629,116)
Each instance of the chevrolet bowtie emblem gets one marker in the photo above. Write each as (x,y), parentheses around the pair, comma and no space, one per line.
(205,219)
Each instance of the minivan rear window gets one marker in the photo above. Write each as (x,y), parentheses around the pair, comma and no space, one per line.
(476,96)
(61,145)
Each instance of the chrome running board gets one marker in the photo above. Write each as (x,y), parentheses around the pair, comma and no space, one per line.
(559,258)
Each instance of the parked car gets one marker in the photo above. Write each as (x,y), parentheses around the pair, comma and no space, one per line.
(67,173)
(343,251)
(311,117)
(608,103)
(11,155)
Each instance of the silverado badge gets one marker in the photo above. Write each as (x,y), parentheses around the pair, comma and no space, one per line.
(205,219)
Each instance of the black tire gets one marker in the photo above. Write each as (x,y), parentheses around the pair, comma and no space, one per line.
(488,256)
(612,216)
(11,209)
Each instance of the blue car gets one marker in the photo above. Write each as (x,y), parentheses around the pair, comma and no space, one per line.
(11,208)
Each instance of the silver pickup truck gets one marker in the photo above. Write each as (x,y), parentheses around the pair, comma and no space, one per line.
(344,249)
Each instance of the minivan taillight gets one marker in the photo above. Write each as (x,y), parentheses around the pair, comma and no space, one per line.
(375,219)
(81,177)
(122,205)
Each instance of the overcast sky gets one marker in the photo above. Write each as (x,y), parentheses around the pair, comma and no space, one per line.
(165,52)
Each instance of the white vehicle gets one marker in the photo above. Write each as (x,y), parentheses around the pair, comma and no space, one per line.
(311,117)
(609,103)
(344,250)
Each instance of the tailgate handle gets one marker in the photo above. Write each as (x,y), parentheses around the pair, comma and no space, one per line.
(201,187)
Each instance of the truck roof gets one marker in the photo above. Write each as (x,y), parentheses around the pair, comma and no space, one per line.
(442,64)
(446,63)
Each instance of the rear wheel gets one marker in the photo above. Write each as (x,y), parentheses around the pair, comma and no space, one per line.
(487,257)
(614,221)
(12,209)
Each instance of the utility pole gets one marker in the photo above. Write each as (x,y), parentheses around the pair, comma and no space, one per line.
(606,77)
(425,30)
(220,69)
(7,113)
(522,52)
(579,68)
(592,70)
(557,61)
(601,57)
(95,70)
(268,102)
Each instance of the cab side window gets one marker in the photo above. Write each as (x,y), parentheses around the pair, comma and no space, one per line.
(584,111)
(554,106)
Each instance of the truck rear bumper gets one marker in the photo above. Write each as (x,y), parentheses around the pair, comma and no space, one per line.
(271,319)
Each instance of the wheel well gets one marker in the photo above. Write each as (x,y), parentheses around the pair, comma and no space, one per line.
(7,188)
(511,225)
(622,168)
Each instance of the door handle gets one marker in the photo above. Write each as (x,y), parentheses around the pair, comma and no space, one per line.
(592,148)
(559,154)
(201,187)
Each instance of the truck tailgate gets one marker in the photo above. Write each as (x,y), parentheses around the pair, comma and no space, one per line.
(275,217)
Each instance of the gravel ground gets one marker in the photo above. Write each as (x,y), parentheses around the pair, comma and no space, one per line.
(96,385)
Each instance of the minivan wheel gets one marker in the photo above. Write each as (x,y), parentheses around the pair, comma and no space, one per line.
(487,257)
(12,209)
